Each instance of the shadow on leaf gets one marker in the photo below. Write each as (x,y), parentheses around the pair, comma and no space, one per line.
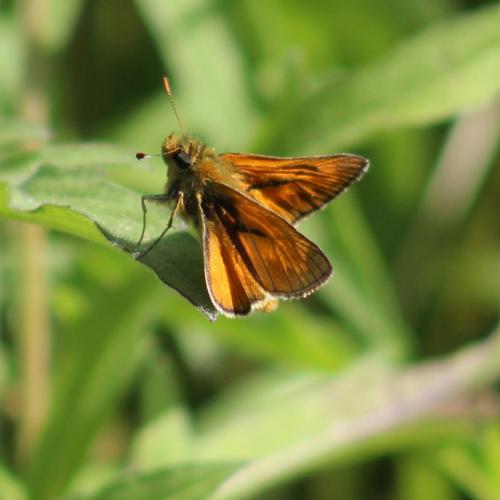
(177,260)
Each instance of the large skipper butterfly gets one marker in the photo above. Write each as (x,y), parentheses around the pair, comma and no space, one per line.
(245,207)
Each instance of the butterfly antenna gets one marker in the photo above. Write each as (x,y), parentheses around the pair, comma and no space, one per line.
(168,89)
(143,156)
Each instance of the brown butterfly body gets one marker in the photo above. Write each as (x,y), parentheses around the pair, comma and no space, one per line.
(245,207)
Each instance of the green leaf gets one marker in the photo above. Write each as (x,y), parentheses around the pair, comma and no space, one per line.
(114,209)
(438,73)
(398,412)
(324,422)
(101,157)
(183,482)
(177,260)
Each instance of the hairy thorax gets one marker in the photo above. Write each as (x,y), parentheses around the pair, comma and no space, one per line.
(193,168)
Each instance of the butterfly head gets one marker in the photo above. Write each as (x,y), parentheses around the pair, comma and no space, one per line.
(180,152)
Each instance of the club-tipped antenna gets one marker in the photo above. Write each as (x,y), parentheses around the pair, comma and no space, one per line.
(168,89)
(144,156)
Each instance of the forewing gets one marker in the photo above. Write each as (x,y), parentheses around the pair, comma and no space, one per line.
(240,231)
(295,187)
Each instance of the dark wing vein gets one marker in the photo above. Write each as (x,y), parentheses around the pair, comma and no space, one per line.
(295,187)
(284,262)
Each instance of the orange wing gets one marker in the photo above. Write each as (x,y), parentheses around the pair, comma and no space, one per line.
(252,254)
(295,187)
(232,288)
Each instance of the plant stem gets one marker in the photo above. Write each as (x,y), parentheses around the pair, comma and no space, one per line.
(34,338)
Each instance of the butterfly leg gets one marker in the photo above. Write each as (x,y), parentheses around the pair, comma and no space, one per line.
(158,197)
(150,197)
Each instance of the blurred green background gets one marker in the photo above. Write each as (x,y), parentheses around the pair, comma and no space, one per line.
(379,386)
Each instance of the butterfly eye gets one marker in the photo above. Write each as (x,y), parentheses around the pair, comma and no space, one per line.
(182,160)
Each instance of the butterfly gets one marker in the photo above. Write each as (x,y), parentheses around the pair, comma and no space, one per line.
(245,207)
